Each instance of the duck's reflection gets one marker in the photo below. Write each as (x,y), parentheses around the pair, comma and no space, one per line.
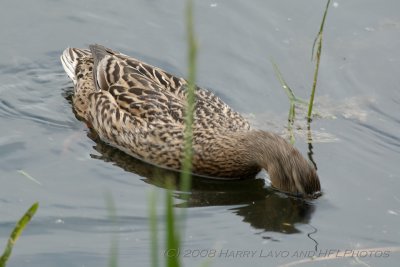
(259,206)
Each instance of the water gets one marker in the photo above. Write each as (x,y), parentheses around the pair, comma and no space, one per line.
(356,141)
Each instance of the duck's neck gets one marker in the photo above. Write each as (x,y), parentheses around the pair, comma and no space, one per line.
(288,170)
(241,153)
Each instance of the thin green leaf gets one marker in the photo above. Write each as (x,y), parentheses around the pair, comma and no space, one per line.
(19,227)
(189,112)
(282,81)
(291,118)
(172,233)
(153,229)
(111,208)
(317,56)
(112,214)
(289,92)
(113,258)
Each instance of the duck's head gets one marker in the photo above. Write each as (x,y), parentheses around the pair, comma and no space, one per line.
(292,173)
(288,170)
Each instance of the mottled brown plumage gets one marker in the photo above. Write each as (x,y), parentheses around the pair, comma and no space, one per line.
(140,109)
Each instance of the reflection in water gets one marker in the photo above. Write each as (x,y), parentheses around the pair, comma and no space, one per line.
(276,213)
(260,206)
(310,145)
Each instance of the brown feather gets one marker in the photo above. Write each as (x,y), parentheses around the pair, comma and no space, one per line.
(140,109)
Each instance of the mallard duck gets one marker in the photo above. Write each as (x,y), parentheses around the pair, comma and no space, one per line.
(139,109)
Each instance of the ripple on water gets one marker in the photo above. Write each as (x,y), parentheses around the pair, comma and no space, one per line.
(325,109)
(31,91)
(380,129)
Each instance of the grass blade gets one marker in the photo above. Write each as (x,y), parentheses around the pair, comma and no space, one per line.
(113,258)
(112,214)
(317,57)
(292,114)
(19,227)
(289,92)
(172,233)
(292,99)
(153,229)
(192,56)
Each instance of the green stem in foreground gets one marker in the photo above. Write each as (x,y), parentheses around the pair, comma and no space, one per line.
(153,229)
(112,214)
(19,227)
(173,237)
(318,41)
(174,231)
(192,55)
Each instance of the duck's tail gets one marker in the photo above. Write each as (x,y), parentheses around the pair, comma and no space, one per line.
(99,52)
(70,59)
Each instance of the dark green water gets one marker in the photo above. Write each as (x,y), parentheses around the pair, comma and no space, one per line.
(356,141)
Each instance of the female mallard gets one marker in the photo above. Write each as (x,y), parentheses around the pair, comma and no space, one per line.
(139,109)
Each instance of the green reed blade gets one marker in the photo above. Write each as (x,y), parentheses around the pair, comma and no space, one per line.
(153,229)
(292,115)
(112,215)
(317,57)
(289,92)
(19,227)
(192,57)
(113,258)
(173,241)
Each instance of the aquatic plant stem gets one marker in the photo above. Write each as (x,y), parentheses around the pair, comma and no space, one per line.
(112,215)
(153,229)
(292,99)
(175,227)
(289,92)
(318,41)
(19,227)
(173,237)
(192,56)
(291,118)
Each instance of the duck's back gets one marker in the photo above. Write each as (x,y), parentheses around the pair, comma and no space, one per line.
(140,109)
(158,96)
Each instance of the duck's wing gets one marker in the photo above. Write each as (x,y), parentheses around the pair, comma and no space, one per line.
(165,80)
(133,91)
(155,95)
(212,112)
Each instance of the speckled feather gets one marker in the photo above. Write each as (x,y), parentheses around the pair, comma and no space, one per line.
(140,109)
